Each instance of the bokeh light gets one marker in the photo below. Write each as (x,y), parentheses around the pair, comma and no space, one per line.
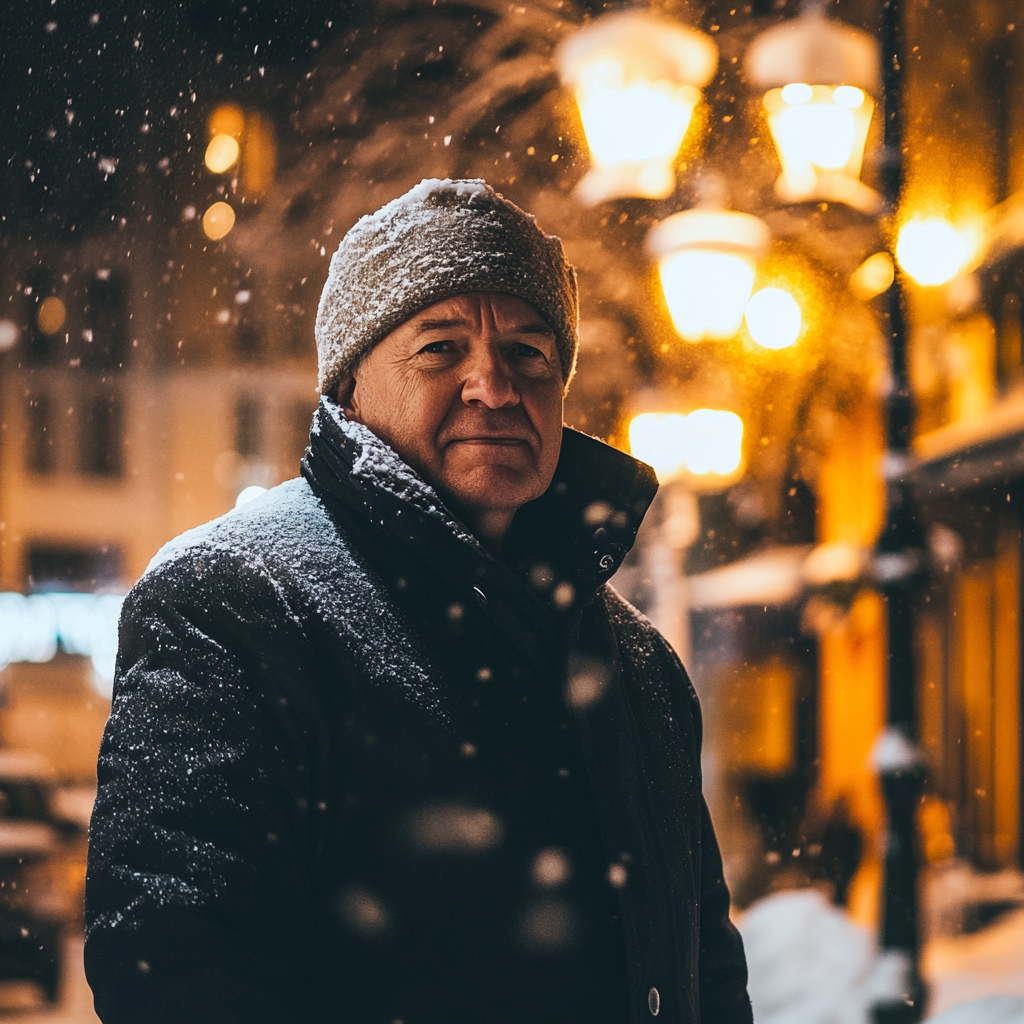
(931,250)
(637,123)
(773,318)
(222,153)
(227,119)
(706,291)
(659,439)
(714,442)
(218,220)
(8,335)
(707,441)
(872,277)
(52,314)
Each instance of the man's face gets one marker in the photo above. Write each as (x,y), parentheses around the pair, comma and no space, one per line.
(469,393)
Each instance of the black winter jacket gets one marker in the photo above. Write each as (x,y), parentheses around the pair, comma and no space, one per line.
(359,770)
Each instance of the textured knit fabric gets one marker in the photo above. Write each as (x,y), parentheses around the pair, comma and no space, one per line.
(358,770)
(442,238)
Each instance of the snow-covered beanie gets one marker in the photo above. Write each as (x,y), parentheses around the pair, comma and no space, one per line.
(442,238)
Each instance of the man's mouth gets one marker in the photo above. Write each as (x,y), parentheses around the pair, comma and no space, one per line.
(499,439)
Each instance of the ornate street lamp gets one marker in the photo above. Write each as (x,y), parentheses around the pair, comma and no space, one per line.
(636,79)
(820,78)
(706,260)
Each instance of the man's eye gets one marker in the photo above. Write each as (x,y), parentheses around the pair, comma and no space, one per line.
(436,347)
(527,351)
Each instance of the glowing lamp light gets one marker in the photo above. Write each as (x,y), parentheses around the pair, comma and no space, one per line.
(706,261)
(52,314)
(773,318)
(714,442)
(218,220)
(637,80)
(819,76)
(222,153)
(931,251)
(707,442)
(659,439)
(872,277)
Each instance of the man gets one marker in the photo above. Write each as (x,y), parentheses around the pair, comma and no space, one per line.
(384,746)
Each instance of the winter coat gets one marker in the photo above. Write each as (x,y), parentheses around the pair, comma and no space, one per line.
(358,769)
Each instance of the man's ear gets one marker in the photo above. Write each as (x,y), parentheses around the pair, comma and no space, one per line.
(345,396)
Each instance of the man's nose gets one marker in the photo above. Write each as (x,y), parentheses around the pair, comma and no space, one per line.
(489,382)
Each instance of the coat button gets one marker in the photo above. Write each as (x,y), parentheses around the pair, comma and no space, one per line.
(654,1002)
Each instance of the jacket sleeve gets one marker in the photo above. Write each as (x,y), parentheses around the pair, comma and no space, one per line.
(198,863)
(723,966)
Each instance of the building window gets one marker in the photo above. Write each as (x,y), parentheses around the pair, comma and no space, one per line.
(40,453)
(60,568)
(106,334)
(248,428)
(100,448)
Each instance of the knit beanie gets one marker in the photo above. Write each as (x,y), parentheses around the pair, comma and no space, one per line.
(441,239)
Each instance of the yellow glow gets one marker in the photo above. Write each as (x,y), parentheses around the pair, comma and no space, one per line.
(872,277)
(659,439)
(848,96)
(931,251)
(636,79)
(714,442)
(796,93)
(706,291)
(644,121)
(820,133)
(51,315)
(773,318)
(227,119)
(708,441)
(222,153)
(218,220)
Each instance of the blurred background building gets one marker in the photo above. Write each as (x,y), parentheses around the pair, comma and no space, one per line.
(178,182)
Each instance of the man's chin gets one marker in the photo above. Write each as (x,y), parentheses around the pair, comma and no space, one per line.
(493,485)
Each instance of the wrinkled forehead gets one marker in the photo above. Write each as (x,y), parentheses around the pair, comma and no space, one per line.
(473,309)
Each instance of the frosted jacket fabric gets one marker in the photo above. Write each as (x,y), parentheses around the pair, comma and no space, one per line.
(341,780)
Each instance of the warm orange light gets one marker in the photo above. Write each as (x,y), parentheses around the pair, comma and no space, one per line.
(52,314)
(227,119)
(222,153)
(707,442)
(636,79)
(218,220)
(872,277)
(931,251)
(773,318)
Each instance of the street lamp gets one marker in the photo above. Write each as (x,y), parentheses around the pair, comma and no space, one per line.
(706,261)
(820,77)
(637,80)
(707,443)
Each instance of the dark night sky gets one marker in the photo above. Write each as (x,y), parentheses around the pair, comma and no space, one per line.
(85,80)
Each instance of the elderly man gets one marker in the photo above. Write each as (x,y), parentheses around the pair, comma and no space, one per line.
(384,745)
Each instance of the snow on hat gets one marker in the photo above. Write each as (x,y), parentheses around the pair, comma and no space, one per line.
(442,238)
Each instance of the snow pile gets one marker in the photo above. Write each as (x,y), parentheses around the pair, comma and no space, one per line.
(990,1010)
(808,962)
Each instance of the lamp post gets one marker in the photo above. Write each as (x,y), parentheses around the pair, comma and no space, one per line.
(637,80)
(899,567)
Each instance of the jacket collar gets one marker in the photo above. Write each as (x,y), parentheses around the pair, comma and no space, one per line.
(578,531)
